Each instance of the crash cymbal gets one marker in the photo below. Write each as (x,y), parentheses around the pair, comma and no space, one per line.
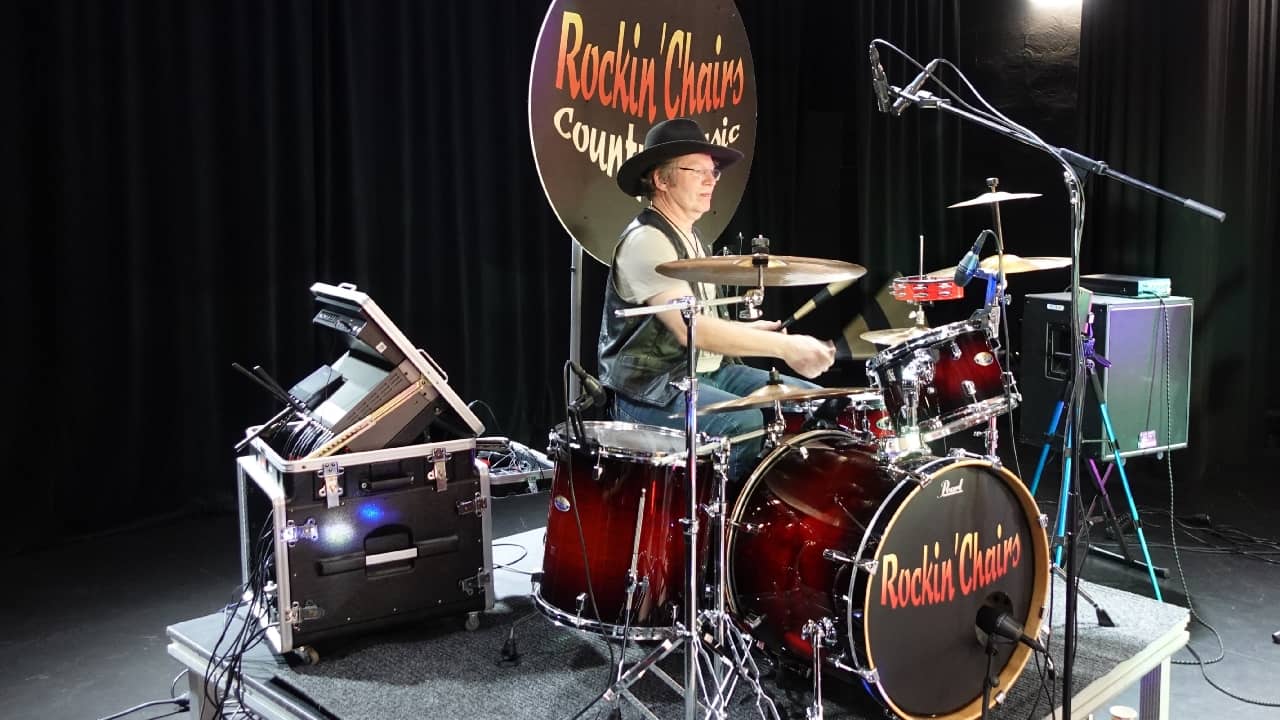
(893,336)
(781,270)
(1012,264)
(988,198)
(781,393)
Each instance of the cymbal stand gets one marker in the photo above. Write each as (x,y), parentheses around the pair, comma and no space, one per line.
(688,627)
(996,299)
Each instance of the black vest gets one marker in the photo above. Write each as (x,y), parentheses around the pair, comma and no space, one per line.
(639,356)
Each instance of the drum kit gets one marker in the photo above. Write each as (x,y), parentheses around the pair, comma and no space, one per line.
(849,550)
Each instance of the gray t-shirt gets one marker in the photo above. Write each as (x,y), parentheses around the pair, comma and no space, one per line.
(638,279)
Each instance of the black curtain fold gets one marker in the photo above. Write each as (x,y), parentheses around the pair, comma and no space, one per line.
(179,173)
(1185,98)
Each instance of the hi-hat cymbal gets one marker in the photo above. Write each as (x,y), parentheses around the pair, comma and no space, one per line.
(893,336)
(781,393)
(781,270)
(988,198)
(1012,264)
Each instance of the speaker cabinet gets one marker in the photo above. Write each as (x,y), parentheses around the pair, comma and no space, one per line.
(1146,389)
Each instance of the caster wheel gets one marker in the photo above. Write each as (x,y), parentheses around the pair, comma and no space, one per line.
(473,621)
(307,654)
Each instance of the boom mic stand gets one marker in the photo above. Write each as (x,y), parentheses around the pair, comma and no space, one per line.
(1072,164)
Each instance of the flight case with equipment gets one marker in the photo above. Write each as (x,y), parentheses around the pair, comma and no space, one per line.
(361,539)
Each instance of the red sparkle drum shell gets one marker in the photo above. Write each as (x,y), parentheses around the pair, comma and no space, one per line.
(966,386)
(900,555)
(621,475)
(865,415)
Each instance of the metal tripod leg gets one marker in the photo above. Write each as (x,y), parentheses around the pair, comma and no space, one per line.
(1124,482)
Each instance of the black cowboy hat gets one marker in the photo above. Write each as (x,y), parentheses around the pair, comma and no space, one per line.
(666,140)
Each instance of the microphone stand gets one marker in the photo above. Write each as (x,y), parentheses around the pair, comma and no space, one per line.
(1071,162)
(988,682)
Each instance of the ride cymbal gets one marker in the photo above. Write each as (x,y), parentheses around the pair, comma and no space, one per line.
(988,198)
(779,270)
(1012,264)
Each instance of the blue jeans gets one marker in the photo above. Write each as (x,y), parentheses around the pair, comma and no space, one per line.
(728,383)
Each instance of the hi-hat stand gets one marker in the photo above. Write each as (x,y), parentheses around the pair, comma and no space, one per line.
(723,651)
(1073,166)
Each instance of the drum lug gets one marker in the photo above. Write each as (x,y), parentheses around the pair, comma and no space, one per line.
(869,566)
(1044,521)
(956,352)
(970,390)
(746,527)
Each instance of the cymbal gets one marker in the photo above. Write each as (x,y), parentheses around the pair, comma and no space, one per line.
(988,198)
(1012,264)
(781,393)
(893,336)
(781,270)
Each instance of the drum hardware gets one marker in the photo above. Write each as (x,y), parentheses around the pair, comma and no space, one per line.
(993,198)
(728,657)
(870,677)
(837,556)
(820,633)
(749,271)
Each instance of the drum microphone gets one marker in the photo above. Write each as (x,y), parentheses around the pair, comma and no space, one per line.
(911,89)
(879,82)
(593,392)
(994,621)
(968,266)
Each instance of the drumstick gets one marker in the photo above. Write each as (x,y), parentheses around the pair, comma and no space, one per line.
(823,295)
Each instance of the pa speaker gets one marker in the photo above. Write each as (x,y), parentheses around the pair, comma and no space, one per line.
(1146,389)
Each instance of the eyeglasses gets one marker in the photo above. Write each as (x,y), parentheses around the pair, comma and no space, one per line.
(713,173)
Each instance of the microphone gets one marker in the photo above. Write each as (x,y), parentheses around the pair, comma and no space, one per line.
(901,103)
(593,391)
(968,266)
(878,81)
(994,621)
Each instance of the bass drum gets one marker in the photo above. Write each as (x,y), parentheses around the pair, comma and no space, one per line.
(899,556)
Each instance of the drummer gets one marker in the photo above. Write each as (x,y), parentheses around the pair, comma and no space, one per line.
(642,357)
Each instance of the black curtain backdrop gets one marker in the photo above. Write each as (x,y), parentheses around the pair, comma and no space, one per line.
(1186,99)
(178,174)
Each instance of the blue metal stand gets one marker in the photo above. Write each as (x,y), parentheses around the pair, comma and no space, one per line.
(1091,359)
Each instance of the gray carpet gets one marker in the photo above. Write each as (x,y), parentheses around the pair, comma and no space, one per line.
(440,670)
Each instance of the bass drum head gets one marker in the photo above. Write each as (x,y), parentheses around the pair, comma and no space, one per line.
(964,535)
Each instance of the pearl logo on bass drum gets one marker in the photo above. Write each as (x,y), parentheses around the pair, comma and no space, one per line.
(948,489)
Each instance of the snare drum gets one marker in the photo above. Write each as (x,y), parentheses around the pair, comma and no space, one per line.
(955,374)
(898,556)
(622,480)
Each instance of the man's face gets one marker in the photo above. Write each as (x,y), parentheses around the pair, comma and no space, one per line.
(691,183)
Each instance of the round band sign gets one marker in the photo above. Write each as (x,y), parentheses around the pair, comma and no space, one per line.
(603,73)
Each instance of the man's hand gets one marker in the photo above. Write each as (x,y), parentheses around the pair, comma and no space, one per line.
(808,355)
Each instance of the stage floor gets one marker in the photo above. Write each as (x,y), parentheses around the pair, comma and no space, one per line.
(83,630)
(441,670)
